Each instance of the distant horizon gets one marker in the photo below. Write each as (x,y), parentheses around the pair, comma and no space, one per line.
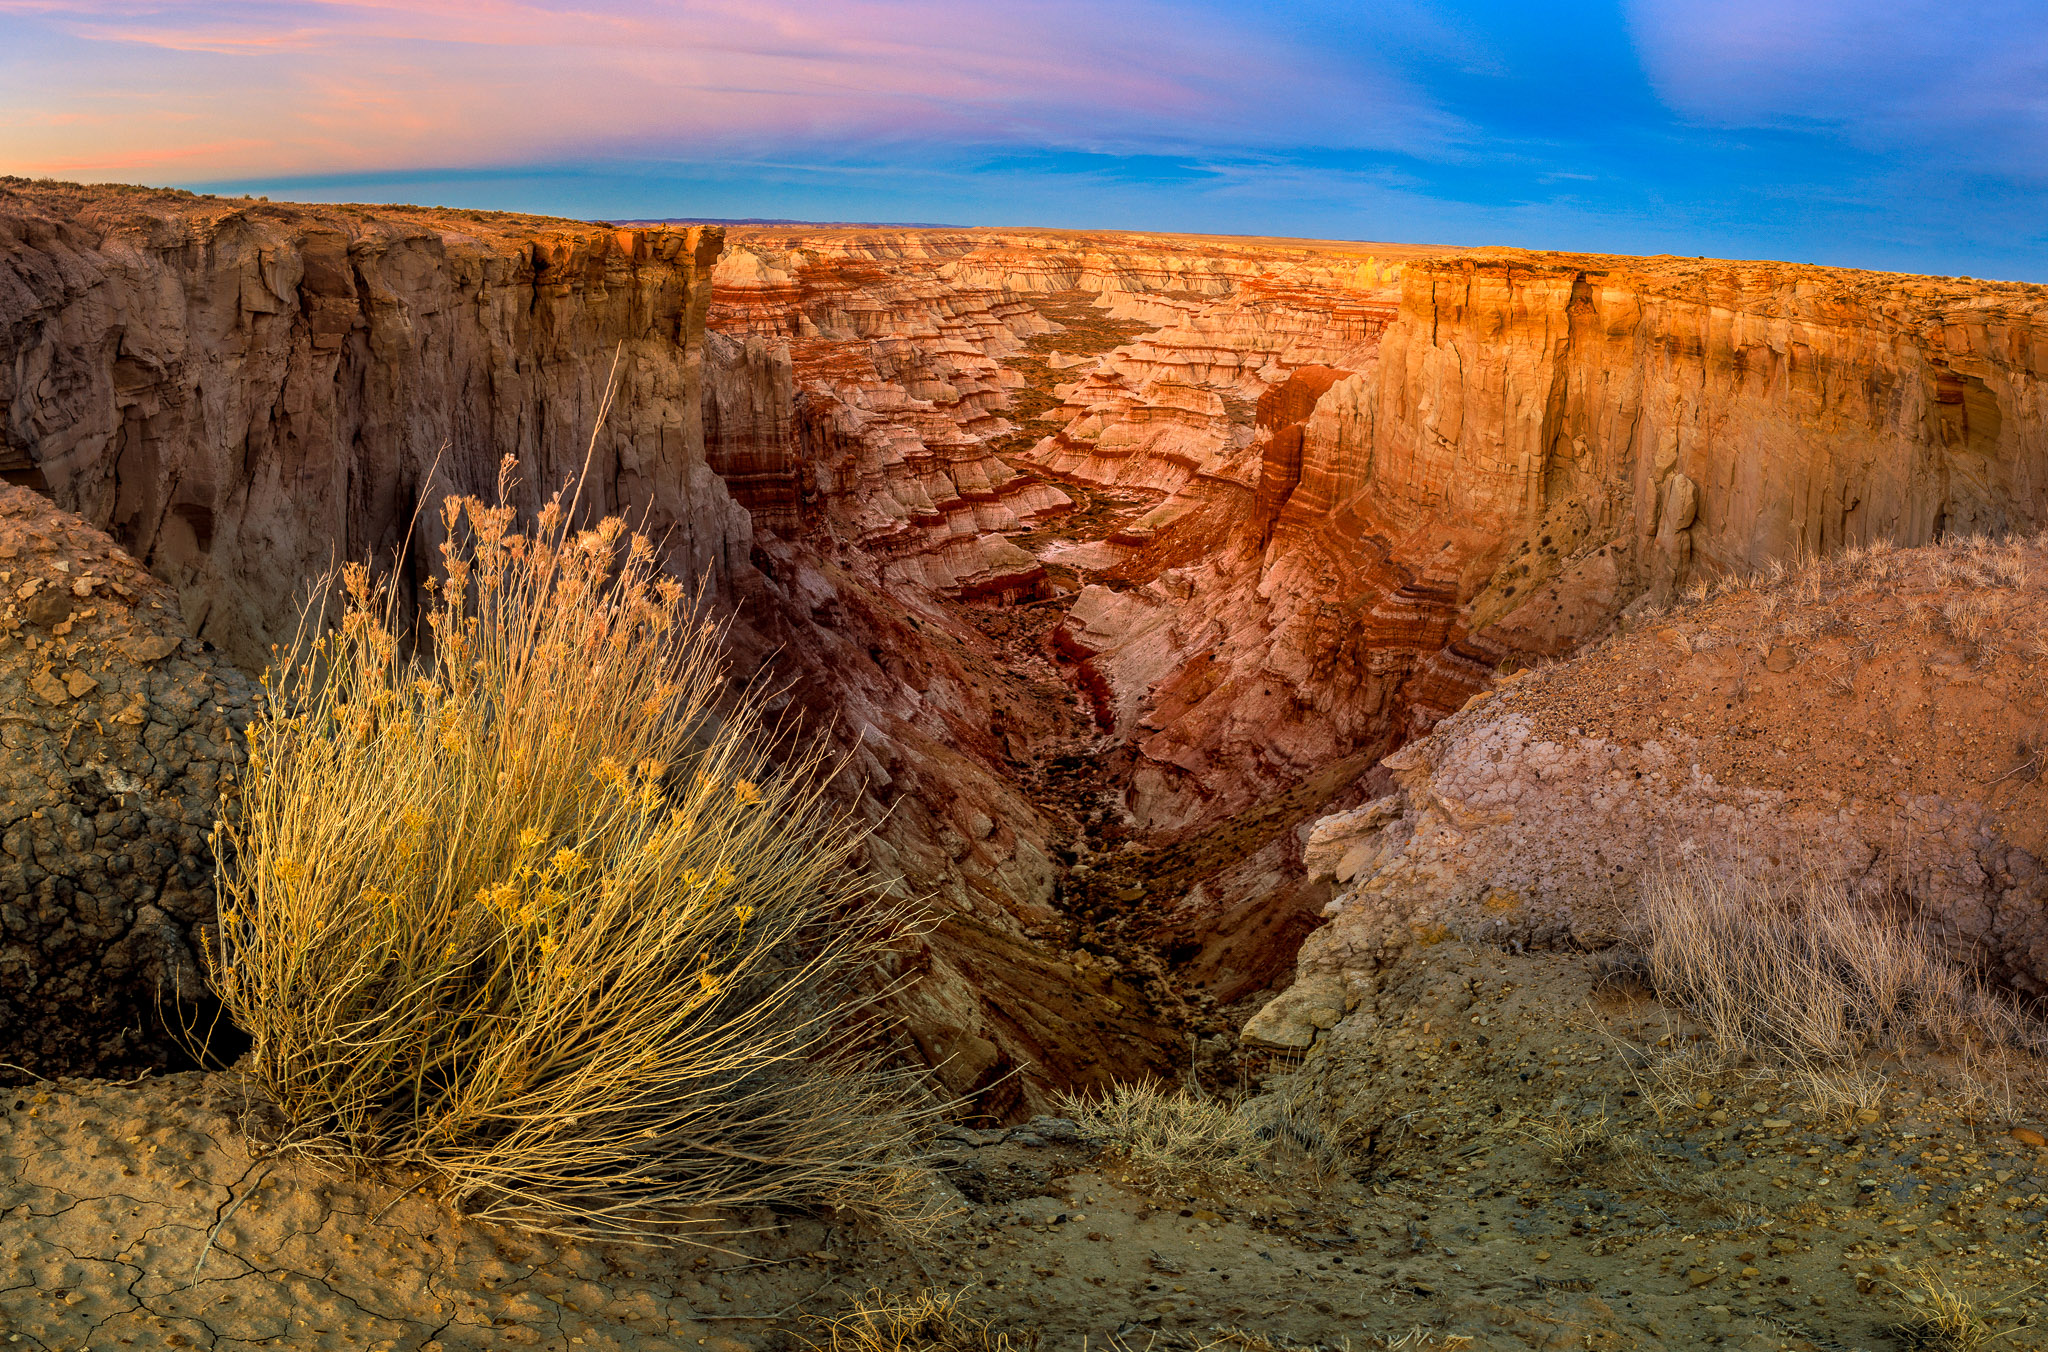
(1912,140)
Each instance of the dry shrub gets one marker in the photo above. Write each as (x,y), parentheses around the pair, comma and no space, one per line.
(1970,617)
(1570,1138)
(524,906)
(923,1322)
(1843,1096)
(2008,567)
(1943,1318)
(1170,1136)
(1950,571)
(1811,978)
(1303,1118)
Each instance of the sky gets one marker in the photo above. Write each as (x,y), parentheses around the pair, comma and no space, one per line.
(1907,135)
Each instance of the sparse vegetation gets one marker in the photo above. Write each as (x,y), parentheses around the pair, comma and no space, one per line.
(1813,978)
(1169,1135)
(1943,1318)
(1846,1097)
(925,1321)
(525,907)
(1570,1138)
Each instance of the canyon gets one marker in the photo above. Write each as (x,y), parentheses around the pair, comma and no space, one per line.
(1112,561)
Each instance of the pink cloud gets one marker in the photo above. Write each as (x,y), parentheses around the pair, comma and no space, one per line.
(348,84)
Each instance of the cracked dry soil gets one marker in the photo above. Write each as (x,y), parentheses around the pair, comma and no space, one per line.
(1702,1207)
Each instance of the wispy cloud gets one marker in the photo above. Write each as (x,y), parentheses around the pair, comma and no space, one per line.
(1964,80)
(505,78)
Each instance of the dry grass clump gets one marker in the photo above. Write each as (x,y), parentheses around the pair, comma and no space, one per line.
(1570,1138)
(524,906)
(1169,1135)
(1811,978)
(1844,1096)
(1970,616)
(1943,1318)
(925,1321)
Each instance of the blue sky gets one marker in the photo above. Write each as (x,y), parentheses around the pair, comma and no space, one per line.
(1902,134)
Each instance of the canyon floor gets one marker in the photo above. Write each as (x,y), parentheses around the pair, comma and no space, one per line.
(1539,1157)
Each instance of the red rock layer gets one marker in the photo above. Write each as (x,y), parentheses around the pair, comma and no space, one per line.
(1537,443)
(898,387)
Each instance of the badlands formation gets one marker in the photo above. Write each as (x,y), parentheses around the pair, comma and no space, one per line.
(1255,649)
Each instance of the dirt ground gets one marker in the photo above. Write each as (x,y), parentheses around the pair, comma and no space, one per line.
(1525,1156)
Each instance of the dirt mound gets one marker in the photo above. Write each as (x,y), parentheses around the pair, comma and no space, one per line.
(1877,719)
(116,732)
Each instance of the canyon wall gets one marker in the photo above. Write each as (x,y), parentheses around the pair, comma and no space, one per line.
(1111,561)
(245,393)
(1364,479)
(1532,445)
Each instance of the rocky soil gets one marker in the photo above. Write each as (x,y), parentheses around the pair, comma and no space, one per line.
(1875,719)
(118,733)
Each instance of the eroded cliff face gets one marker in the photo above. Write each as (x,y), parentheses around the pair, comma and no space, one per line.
(1352,482)
(245,393)
(1533,445)
(1868,721)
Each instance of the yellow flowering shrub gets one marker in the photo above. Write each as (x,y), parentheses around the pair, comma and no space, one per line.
(517,897)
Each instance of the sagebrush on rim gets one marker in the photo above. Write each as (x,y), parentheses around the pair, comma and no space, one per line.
(524,904)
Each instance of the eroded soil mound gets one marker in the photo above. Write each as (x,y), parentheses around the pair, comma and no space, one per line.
(1876,719)
(117,730)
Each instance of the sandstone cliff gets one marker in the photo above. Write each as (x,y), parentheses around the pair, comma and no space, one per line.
(1531,444)
(244,393)
(1367,477)
(1110,558)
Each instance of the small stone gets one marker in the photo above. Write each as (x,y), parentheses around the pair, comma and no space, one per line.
(49,607)
(48,688)
(77,682)
(1700,1276)
(1062,1129)
(150,648)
